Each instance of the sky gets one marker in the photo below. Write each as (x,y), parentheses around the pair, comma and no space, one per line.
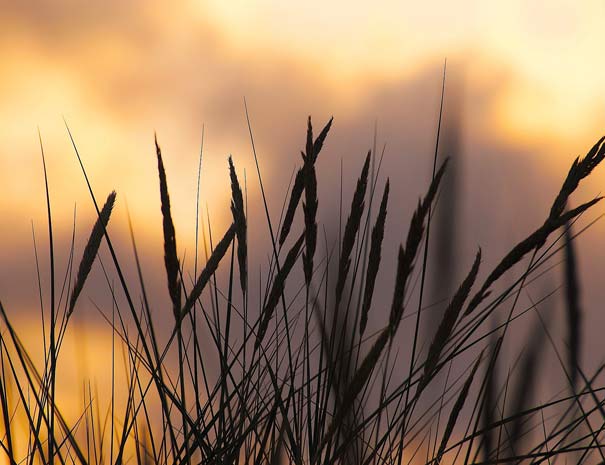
(524,87)
(117,71)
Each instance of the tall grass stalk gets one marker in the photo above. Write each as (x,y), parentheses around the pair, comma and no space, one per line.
(314,374)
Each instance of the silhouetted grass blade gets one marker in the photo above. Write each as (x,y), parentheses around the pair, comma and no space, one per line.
(374,259)
(171,260)
(91,250)
(239,219)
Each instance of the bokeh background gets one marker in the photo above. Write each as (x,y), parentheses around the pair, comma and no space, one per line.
(524,96)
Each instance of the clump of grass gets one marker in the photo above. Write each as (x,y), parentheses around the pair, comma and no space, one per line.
(310,393)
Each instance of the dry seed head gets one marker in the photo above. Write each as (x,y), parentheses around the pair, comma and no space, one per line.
(211,266)
(456,409)
(374,259)
(531,242)
(352,227)
(299,185)
(171,260)
(239,219)
(448,322)
(91,250)
(277,288)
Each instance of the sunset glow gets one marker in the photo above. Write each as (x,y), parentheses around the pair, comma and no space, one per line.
(117,72)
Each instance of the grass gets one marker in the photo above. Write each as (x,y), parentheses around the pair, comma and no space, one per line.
(299,376)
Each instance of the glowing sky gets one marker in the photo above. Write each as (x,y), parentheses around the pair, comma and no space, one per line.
(529,73)
(119,70)
(551,45)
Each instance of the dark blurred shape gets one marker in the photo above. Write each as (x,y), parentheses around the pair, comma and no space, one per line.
(572,301)
(444,243)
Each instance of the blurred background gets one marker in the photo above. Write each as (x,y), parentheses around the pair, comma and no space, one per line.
(524,96)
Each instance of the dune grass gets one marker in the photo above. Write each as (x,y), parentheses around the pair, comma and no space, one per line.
(301,378)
